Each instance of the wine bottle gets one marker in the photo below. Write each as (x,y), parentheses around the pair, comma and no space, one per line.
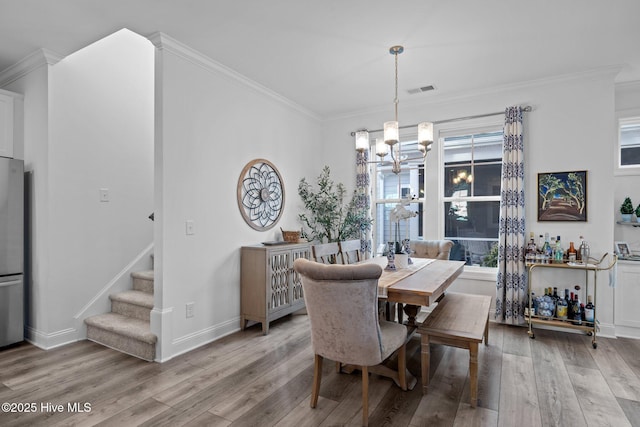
(530,307)
(589,310)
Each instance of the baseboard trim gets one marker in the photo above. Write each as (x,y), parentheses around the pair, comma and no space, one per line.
(48,341)
(202,337)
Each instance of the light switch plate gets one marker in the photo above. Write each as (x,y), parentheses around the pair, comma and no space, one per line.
(189,227)
(104,194)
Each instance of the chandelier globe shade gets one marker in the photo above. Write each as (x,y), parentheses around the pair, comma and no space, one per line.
(390,143)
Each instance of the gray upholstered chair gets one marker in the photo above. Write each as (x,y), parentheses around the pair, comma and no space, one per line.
(326,253)
(350,251)
(435,249)
(342,303)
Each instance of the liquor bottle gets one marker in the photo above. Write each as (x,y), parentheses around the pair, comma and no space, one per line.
(540,243)
(558,252)
(546,249)
(530,253)
(562,309)
(589,310)
(572,254)
(576,311)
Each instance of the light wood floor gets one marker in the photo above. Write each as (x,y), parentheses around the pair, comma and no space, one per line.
(248,379)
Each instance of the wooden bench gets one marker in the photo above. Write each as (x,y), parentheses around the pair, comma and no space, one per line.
(459,320)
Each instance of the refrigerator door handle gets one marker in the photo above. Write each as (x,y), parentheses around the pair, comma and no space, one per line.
(11,283)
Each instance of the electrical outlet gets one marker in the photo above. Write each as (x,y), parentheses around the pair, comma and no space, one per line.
(190,307)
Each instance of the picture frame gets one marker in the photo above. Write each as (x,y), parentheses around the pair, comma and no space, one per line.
(622,249)
(562,196)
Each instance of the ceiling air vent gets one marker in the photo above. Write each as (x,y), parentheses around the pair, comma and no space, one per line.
(421,89)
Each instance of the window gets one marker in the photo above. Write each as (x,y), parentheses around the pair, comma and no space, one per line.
(472,167)
(390,190)
(629,140)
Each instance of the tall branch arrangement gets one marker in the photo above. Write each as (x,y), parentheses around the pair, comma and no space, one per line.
(328,217)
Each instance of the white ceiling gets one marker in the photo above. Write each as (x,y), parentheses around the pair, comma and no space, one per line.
(331,56)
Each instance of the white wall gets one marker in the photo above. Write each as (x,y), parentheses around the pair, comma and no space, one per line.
(569,128)
(209,124)
(101,136)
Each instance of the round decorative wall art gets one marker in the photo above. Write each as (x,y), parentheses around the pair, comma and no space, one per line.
(260,194)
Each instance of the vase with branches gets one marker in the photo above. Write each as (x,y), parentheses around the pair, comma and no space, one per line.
(329,216)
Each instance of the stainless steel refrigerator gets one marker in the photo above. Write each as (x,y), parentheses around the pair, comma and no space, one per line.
(11,251)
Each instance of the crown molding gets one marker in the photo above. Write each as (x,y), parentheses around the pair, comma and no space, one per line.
(163,42)
(28,64)
(460,96)
(630,85)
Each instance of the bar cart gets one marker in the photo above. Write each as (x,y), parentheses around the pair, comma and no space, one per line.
(590,328)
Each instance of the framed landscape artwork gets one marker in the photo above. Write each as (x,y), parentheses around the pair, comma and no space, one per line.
(562,196)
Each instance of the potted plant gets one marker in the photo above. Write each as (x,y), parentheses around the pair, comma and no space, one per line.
(626,209)
(638,213)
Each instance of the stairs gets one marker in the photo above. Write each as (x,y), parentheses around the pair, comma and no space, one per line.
(127,327)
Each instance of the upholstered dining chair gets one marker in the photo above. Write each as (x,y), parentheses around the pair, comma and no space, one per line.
(350,251)
(436,249)
(326,253)
(342,305)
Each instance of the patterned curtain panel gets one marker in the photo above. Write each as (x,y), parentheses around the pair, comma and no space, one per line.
(363,200)
(511,284)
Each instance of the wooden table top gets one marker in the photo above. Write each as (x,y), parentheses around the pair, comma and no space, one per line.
(422,286)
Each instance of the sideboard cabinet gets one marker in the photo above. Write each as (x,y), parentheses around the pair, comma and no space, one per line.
(270,289)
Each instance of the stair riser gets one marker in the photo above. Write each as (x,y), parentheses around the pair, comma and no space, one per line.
(122,343)
(143,285)
(131,310)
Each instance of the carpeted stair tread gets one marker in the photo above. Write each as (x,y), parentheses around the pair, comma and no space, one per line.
(142,299)
(143,281)
(123,325)
(145,274)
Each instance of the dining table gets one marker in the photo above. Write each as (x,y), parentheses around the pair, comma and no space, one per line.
(420,283)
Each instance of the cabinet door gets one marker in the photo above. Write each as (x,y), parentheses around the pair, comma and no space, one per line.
(279,272)
(296,284)
(6,125)
(627,295)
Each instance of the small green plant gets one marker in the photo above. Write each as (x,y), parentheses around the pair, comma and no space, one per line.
(329,218)
(491,258)
(638,211)
(627,206)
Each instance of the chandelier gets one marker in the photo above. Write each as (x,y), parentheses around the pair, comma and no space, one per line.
(391,133)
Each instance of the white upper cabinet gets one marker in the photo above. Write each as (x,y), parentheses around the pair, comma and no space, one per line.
(9,103)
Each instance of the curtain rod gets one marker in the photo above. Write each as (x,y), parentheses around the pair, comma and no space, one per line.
(525,109)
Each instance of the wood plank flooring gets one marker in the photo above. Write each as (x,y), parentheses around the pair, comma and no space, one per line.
(247,379)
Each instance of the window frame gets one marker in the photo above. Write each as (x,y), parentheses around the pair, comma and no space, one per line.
(631,117)
(458,128)
(405,137)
